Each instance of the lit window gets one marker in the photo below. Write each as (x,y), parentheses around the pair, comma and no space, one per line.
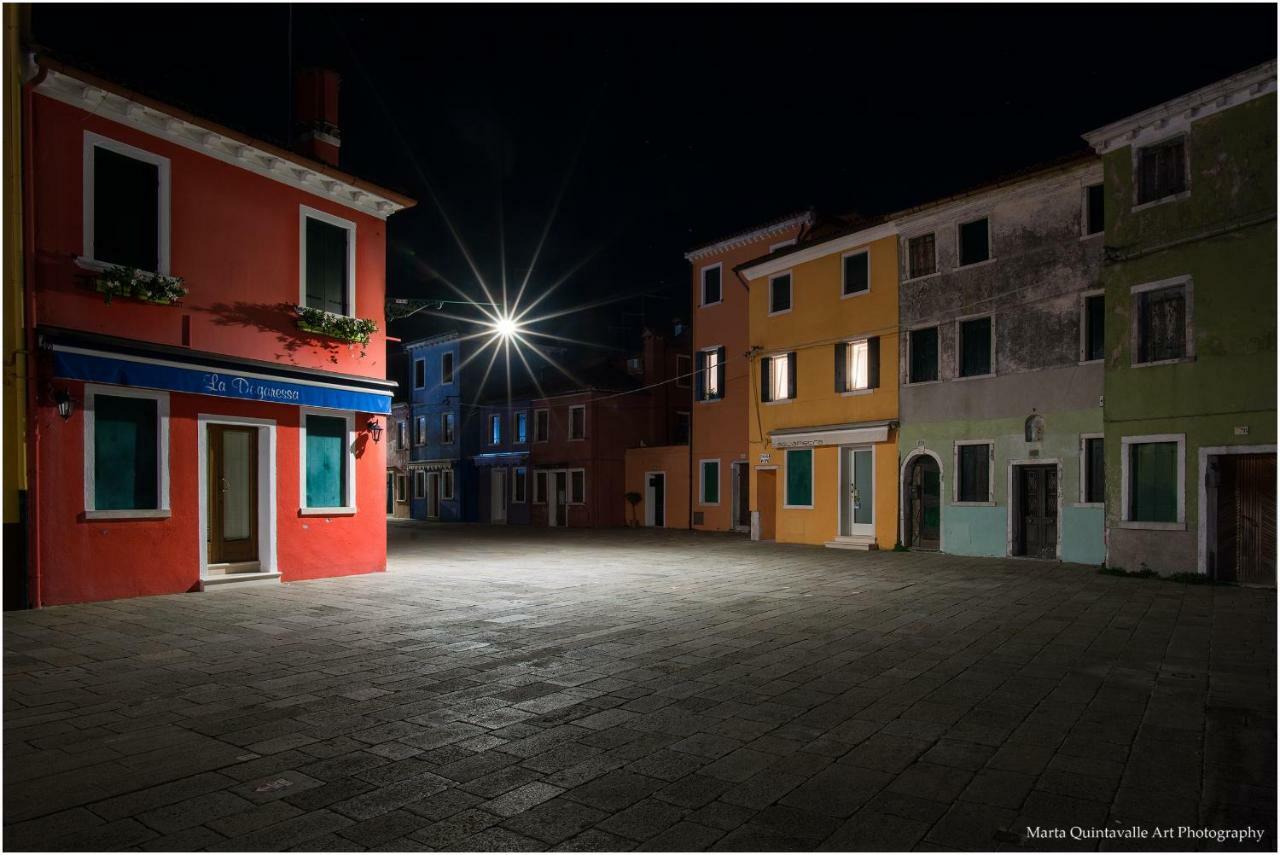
(858,365)
(522,427)
(710,374)
(778,377)
(495,429)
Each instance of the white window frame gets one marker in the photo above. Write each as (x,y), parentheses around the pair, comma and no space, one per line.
(702,482)
(845,294)
(163,226)
(306,212)
(582,407)
(1126,443)
(420,430)
(813,478)
(448,354)
(710,375)
(959,322)
(1084,212)
(1084,325)
(448,436)
(991,250)
(423,363)
(906,246)
(543,411)
(702,284)
(402,433)
(539,495)
(583,499)
(515,427)
(791,293)
(495,420)
(773,367)
(402,488)
(519,474)
(351,506)
(684,373)
(937,361)
(419,483)
(91,391)
(1135,319)
(991,471)
(446,485)
(1083,501)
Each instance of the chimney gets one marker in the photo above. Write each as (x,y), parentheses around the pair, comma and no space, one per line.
(315,112)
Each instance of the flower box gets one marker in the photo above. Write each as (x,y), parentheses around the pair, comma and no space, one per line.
(340,327)
(155,288)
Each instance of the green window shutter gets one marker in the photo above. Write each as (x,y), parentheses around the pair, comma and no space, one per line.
(873,362)
(125,453)
(326,267)
(842,357)
(791,374)
(800,476)
(720,390)
(766,379)
(1153,482)
(326,462)
(710,483)
(700,380)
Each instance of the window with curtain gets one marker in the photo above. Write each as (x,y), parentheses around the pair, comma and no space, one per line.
(326,460)
(126,453)
(799,487)
(327,268)
(778,377)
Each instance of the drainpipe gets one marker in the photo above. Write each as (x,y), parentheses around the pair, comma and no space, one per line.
(35,593)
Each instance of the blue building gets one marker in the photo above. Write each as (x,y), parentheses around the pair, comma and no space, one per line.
(441,473)
(502,431)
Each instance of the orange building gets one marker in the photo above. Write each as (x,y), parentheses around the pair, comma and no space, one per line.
(720,384)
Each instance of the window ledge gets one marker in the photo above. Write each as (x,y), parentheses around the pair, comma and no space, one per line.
(862,293)
(1153,526)
(1088,505)
(709,305)
(95,266)
(778,402)
(709,400)
(987,376)
(853,393)
(779,312)
(1093,236)
(922,383)
(797,507)
(1176,197)
(973,504)
(975,264)
(130,514)
(1159,362)
(326,512)
(1092,361)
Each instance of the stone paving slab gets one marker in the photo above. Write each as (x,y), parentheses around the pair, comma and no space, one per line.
(527,689)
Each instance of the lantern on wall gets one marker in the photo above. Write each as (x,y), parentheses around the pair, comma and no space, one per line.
(375,429)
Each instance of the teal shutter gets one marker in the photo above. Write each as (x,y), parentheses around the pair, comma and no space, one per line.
(326,267)
(1153,482)
(710,483)
(800,477)
(125,453)
(326,462)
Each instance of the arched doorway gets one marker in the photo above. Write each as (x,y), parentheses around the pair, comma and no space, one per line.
(922,489)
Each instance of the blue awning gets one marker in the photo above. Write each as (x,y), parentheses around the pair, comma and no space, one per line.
(74,363)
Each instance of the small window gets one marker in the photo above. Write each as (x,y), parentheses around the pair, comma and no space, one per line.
(778,377)
(522,427)
(129,198)
(1153,482)
(402,434)
(921,260)
(539,488)
(419,373)
(857,273)
(402,488)
(446,484)
(924,355)
(975,241)
(328,254)
(1095,315)
(635,365)
(420,431)
(125,449)
(710,374)
(495,429)
(541,425)
(1094,475)
(446,368)
(780,294)
(799,487)
(973,475)
(519,484)
(419,483)
(711,285)
(682,428)
(578,422)
(709,481)
(1162,170)
(975,347)
(577,486)
(1162,324)
(327,467)
(858,365)
(1094,223)
(446,428)
(683,371)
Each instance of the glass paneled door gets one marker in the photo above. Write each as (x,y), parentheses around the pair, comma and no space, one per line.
(858,483)
(233,494)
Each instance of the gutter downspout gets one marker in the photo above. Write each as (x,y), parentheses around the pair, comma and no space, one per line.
(34,568)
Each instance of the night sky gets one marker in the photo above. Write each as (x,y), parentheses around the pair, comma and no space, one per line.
(666,126)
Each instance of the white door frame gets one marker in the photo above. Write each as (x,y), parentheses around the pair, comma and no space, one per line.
(844,505)
(1202,514)
(553,501)
(649,515)
(1009,504)
(497,495)
(266,486)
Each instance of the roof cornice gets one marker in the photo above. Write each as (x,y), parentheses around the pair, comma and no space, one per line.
(746,238)
(810,252)
(70,86)
(1214,98)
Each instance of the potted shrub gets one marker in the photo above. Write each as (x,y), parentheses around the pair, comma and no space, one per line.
(634,499)
(341,327)
(119,281)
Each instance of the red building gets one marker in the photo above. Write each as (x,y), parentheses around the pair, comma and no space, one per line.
(186,440)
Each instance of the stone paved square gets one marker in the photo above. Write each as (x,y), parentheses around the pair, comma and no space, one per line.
(516,688)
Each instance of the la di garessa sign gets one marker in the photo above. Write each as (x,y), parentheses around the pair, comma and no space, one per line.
(246,387)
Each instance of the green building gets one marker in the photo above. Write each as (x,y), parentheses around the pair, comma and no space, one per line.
(1190,333)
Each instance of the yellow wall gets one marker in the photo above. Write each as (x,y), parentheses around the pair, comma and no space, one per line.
(15,427)
(819,318)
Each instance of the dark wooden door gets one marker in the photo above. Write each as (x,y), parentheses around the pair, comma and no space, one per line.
(233,494)
(391,483)
(924,517)
(1038,502)
(659,483)
(766,498)
(560,498)
(1246,518)
(743,519)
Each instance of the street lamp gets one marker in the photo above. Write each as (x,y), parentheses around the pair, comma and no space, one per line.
(375,428)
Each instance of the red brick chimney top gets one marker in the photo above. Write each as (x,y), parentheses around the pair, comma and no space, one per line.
(315,105)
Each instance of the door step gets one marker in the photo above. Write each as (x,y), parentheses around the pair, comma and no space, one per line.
(861,542)
(238,581)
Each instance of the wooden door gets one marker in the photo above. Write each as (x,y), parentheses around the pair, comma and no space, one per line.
(1246,518)
(1038,510)
(766,502)
(924,518)
(742,510)
(233,494)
